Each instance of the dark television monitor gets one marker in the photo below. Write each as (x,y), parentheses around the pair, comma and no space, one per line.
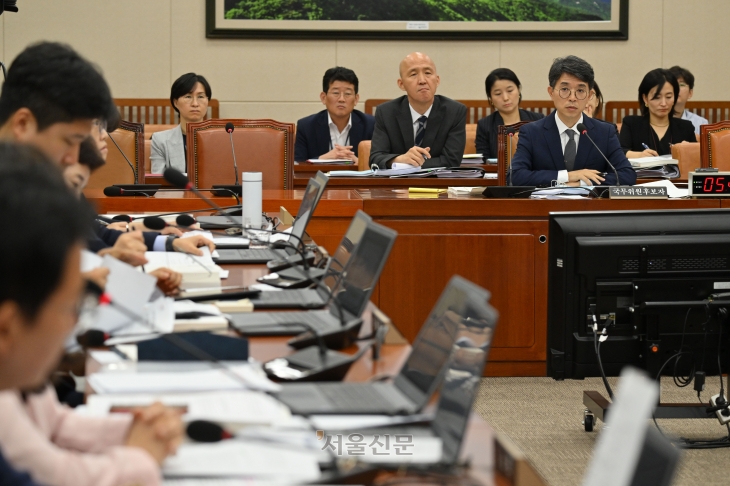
(649,268)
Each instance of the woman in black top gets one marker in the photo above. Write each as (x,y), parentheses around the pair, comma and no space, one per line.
(656,130)
(503,91)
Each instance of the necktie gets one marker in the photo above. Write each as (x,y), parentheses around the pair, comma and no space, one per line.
(421,130)
(569,154)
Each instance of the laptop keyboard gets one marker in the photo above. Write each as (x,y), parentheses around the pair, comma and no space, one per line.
(259,253)
(288,296)
(318,320)
(355,396)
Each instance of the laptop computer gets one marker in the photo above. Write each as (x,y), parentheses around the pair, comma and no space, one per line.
(456,396)
(350,294)
(417,380)
(263,255)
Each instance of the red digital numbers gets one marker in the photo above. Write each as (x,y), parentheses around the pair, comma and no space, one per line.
(709,184)
(720,182)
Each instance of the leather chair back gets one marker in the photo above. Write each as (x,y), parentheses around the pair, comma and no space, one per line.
(688,156)
(507,137)
(129,136)
(471,136)
(715,145)
(363,155)
(265,146)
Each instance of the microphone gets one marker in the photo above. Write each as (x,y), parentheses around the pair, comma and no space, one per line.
(229,129)
(155,223)
(178,179)
(114,191)
(235,189)
(205,431)
(584,131)
(134,172)
(185,220)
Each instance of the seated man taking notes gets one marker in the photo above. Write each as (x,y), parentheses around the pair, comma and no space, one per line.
(553,150)
(421,129)
(336,132)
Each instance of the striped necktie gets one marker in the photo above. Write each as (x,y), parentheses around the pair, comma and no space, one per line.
(421,130)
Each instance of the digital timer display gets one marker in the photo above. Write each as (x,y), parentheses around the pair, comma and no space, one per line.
(715,184)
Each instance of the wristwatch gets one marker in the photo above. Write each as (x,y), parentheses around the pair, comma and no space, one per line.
(168,243)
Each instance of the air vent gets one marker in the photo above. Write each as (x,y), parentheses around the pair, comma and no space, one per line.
(631,265)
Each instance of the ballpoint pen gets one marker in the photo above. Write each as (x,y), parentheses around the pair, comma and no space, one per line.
(645,146)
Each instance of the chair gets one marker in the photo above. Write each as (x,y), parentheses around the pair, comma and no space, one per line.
(130,138)
(148,131)
(507,137)
(688,156)
(617,110)
(265,146)
(363,155)
(471,136)
(715,145)
(156,110)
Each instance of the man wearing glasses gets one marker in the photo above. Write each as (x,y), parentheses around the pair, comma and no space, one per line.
(553,151)
(336,132)
(189,97)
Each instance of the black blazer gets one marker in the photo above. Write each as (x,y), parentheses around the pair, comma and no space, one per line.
(313,134)
(102,237)
(445,132)
(539,154)
(487,127)
(636,130)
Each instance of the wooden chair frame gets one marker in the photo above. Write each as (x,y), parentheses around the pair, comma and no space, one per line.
(504,149)
(705,145)
(157,111)
(477,109)
(138,130)
(287,128)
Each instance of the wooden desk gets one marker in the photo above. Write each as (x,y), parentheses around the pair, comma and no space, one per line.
(501,245)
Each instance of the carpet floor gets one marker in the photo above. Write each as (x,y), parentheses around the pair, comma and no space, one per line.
(543,418)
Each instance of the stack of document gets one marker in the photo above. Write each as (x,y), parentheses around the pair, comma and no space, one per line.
(249,376)
(561,193)
(660,167)
(197,271)
(472,159)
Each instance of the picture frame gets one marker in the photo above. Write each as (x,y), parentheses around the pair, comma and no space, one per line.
(292,23)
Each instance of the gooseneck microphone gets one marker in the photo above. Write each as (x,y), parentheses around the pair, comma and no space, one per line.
(584,131)
(178,179)
(229,129)
(115,191)
(185,220)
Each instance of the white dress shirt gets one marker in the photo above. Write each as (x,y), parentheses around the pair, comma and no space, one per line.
(696,120)
(338,137)
(415,116)
(564,138)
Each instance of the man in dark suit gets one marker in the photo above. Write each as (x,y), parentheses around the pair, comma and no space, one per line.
(336,132)
(421,128)
(552,149)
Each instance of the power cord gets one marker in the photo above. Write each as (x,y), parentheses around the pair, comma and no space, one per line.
(597,345)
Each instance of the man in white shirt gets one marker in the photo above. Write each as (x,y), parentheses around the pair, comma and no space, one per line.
(686,82)
(334,133)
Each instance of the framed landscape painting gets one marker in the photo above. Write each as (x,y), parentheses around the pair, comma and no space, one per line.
(418,19)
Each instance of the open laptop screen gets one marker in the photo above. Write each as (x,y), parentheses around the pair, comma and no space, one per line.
(423,370)
(306,208)
(462,377)
(363,269)
(340,258)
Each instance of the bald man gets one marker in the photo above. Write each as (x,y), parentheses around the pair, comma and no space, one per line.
(420,129)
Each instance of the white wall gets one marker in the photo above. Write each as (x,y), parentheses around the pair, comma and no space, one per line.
(143,45)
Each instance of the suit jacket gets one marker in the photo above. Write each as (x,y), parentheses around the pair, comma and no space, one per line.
(636,130)
(539,154)
(487,127)
(313,134)
(103,237)
(445,132)
(167,150)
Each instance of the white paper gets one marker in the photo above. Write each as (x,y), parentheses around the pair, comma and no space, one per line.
(90,261)
(224,241)
(105,357)
(232,407)
(182,381)
(672,190)
(233,458)
(618,449)
(328,161)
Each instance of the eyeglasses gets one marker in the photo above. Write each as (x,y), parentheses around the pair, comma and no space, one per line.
(102,124)
(189,99)
(336,95)
(580,93)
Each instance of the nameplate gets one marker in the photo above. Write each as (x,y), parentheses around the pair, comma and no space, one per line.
(620,192)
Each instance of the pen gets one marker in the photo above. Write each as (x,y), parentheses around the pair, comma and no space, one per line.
(645,146)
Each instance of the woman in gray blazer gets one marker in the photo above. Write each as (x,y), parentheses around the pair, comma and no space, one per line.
(189,97)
